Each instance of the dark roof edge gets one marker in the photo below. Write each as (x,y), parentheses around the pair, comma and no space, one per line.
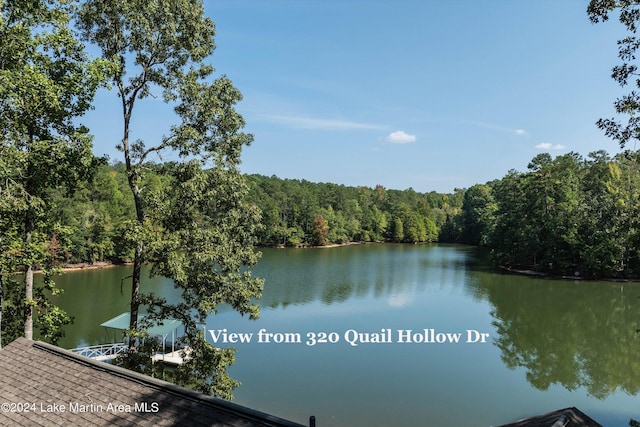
(575,417)
(220,404)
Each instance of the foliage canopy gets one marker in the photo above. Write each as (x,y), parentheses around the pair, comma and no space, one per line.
(46,83)
(197,231)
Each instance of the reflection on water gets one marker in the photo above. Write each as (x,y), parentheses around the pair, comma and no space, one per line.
(576,334)
(553,343)
(334,275)
(400,299)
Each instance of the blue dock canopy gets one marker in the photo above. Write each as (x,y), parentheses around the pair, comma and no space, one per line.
(162,329)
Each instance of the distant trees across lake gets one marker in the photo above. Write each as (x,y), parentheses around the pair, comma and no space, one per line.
(294,213)
(302,213)
(566,215)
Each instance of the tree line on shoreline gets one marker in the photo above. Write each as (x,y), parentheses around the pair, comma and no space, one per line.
(564,216)
(568,215)
(197,221)
(93,221)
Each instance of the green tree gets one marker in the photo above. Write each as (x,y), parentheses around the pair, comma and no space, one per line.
(551,192)
(431,229)
(628,12)
(605,217)
(376,223)
(164,45)
(414,229)
(478,215)
(537,217)
(202,236)
(397,230)
(512,237)
(46,83)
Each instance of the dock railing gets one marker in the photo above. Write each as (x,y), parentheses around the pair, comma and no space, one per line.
(102,352)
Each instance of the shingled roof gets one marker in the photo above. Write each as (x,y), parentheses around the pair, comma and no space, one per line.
(44,385)
(567,417)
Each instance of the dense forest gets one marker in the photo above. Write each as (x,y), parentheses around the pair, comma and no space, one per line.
(298,212)
(566,215)
(94,219)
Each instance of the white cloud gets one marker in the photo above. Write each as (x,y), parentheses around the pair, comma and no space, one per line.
(496,127)
(302,122)
(550,146)
(400,137)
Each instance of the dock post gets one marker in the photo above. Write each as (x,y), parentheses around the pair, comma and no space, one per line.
(312,421)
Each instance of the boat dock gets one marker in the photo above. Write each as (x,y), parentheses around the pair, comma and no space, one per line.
(166,331)
(172,358)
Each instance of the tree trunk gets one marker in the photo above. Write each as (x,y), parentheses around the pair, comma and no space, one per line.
(138,258)
(135,294)
(132,178)
(29,226)
(137,261)
(137,269)
(28,287)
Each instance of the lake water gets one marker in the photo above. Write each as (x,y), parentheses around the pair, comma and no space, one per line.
(550,344)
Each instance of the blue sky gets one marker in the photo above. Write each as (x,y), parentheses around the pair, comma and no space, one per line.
(433,95)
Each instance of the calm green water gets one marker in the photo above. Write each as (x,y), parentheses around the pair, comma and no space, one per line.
(551,344)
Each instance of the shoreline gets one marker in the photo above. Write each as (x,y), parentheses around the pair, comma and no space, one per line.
(500,268)
(540,275)
(337,245)
(98,265)
(504,269)
(331,245)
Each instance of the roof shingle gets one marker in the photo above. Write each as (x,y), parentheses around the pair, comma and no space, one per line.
(44,385)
